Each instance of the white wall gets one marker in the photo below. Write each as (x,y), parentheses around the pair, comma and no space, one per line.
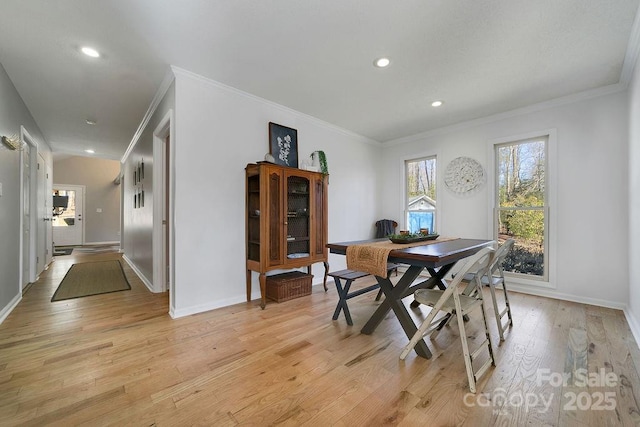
(13,114)
(589,254)
(633,312)
(218,131)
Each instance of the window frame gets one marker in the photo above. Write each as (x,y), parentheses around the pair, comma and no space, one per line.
(548,280)
(405,198)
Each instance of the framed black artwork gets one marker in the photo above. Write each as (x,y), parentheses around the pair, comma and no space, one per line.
(283,145)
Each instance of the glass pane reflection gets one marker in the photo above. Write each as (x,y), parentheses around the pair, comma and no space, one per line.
(64,216)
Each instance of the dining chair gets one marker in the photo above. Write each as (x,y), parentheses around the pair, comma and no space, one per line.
(495,277)
(453,300)
(384,227)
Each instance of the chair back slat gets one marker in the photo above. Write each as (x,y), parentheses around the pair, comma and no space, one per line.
(479,263)
(501,254)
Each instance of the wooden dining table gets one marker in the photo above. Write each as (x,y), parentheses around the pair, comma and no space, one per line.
(436,257)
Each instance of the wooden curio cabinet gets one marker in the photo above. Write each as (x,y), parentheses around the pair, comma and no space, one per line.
(286,220)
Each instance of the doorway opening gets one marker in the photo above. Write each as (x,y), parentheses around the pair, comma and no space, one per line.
(68,211)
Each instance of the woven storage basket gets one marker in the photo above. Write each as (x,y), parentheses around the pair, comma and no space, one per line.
(286,286)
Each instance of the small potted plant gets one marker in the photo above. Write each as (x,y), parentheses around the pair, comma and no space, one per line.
(320,159)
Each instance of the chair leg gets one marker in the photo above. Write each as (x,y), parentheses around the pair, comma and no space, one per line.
(465,349)
(506,301)
(469,357)
(486,333)
(424,327)
(445,321)
(379,295)
(496,312)
(499,315)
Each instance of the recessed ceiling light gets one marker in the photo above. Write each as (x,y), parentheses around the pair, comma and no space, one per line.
(89,51)
(382,62)
(436,103)
(90,151)
(90,122)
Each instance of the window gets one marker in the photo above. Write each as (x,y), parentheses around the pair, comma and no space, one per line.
(420,204)
(64,208)
(521,210)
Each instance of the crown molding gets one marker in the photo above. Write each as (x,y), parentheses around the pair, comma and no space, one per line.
(160,93)
(569,99)
(185,73)
(631,56)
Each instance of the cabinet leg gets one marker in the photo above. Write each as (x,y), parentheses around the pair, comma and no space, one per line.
(248,285)
(326,271)
(263,290)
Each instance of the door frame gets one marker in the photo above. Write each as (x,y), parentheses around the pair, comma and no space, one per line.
(163,275)
(33,161)
(41,214)
(48,209)
(83,190)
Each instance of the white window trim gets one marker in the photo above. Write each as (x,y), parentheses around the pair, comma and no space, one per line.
(551,217)
(403,185)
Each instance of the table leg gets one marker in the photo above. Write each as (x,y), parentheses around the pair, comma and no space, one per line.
(391,294)
(393,301)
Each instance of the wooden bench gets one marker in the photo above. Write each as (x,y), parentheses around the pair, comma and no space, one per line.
(349,276)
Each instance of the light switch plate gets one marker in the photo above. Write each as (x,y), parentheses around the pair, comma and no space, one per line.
(99,210)
(0,189)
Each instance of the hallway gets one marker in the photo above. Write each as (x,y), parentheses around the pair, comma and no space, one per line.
(53,356)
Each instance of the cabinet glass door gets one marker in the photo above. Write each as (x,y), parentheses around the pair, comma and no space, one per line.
(298,210)
(253,217)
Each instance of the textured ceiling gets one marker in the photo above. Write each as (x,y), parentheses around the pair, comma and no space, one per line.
(480,57)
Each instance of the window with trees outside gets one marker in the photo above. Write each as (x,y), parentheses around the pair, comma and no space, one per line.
(521,205)
(420,204)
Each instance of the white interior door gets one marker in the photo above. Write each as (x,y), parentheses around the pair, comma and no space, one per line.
(42,216)
(165,216)
(68,213)
(48,244)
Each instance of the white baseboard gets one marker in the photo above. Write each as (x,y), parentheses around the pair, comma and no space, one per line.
(195,309)
(546,292)
(634,325)
(117,242)
(9,308)
(135,269)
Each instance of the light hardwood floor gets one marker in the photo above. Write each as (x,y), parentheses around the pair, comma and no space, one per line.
(119,359)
